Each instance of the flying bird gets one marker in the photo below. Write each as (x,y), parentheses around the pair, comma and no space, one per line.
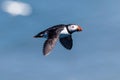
(62,32)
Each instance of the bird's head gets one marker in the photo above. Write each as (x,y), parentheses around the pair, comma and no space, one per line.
(74,27)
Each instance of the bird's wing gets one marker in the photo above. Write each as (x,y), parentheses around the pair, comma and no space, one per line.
(67,42)
(53,36)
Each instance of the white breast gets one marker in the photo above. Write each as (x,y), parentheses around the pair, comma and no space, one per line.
(64,33)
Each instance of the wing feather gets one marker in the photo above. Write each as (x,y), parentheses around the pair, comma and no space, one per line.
(67,42)
(53,36)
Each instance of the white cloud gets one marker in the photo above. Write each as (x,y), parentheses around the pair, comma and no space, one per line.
(16,8)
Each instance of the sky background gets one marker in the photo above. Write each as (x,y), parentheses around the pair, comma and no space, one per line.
(95,54)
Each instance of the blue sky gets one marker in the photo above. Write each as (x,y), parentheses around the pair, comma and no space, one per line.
(94,56)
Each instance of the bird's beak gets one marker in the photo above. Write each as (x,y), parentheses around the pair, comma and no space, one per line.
(79,28)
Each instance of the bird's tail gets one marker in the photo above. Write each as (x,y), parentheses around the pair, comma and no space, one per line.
(39,35)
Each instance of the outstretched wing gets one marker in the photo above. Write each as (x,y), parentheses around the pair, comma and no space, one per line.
(48,45)
(67,42)
(53,36)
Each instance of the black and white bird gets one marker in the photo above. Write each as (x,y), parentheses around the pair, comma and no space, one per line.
(62,32)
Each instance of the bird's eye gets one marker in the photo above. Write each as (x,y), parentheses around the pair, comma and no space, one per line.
(72,26)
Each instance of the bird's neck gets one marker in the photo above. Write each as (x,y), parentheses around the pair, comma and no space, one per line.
(68,30)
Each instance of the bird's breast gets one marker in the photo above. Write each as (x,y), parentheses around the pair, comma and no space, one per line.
(64,31)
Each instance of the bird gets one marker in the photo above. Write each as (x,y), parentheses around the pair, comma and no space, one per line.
(61,32)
